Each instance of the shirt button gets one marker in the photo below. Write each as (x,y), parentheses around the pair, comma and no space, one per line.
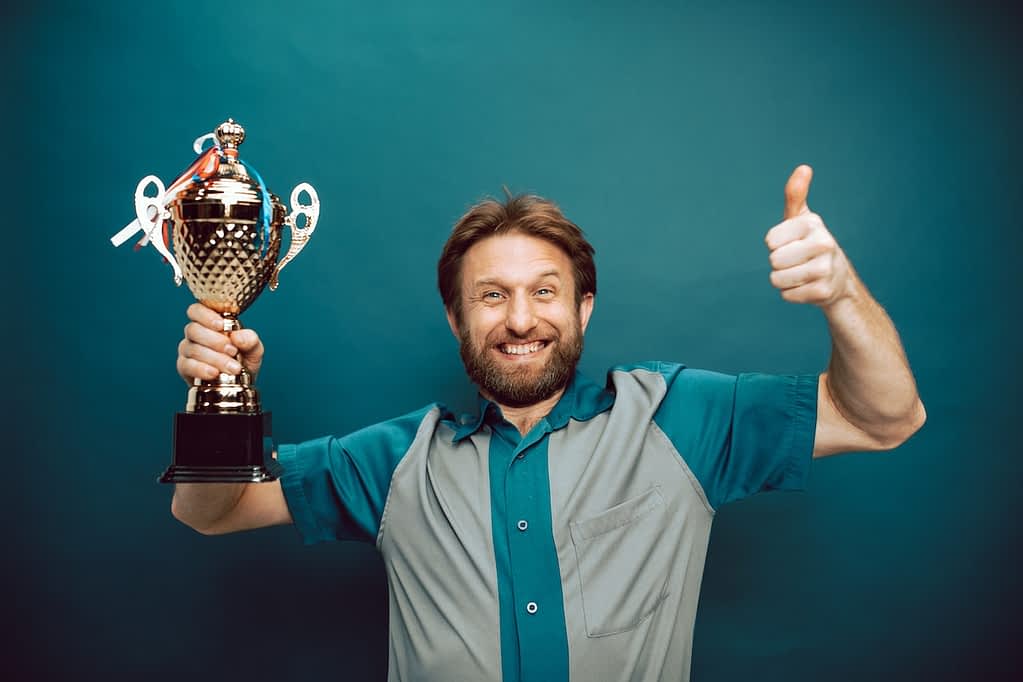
(521,455)
(522,524)
(531,608)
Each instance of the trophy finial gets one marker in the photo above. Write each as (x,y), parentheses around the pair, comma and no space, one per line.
(229,136)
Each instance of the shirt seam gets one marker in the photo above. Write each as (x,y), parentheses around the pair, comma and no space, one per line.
(674,452)
(681,463)
(427,419)
(799,409)
(307,520)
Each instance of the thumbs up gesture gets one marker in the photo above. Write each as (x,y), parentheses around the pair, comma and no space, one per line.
(807,265)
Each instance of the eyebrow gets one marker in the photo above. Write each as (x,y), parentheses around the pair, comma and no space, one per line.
(490,281)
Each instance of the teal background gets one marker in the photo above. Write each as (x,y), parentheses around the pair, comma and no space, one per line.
(667,131)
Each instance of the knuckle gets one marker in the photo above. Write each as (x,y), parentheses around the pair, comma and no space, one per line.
(246,337)
(814,223)
(188,368)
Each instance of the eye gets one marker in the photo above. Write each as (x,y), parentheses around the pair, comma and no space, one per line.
(492,296)
(544,291)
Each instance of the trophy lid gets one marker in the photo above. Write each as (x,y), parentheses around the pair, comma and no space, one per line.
(229,136)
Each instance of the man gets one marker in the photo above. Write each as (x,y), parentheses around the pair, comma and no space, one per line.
(561,532)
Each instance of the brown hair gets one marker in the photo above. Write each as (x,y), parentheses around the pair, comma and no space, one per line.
(526,214)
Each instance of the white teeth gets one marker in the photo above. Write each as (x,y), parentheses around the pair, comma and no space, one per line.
(522,349)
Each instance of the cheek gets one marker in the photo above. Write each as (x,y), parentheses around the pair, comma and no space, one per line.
(563,317)
(481,327)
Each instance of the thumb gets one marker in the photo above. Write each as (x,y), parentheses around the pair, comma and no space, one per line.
(250,349)
(247,341)
(796,190)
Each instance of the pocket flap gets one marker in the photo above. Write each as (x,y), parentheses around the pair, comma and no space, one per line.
(617,516)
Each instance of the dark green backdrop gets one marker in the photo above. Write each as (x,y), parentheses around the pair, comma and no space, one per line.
(667,131)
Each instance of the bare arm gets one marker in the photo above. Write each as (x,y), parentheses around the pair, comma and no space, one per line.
(868,393)
(216,508)
(867,398)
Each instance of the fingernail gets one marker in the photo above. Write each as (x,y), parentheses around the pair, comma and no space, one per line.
(230,350)
(233,367)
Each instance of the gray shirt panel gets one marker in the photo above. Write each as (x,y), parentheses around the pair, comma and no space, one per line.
(438,551)
(631,527)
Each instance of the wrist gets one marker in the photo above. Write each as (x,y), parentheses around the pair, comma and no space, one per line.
(849,296)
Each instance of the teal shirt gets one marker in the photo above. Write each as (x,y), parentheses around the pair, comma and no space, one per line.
(573,552)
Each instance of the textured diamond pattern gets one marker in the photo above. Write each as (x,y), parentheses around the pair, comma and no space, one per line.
(219,242)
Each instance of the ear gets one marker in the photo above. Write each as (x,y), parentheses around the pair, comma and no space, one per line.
(452,322)
(585,310)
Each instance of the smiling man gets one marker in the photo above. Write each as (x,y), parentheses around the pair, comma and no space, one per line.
(560,532)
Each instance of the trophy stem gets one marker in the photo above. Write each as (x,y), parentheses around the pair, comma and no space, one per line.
(228,393)
(231,323)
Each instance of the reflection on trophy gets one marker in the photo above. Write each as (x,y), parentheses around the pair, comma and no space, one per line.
(226,229)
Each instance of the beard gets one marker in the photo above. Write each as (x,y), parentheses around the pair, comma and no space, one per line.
(522,386)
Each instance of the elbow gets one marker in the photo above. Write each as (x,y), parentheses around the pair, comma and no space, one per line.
(919,417)
(915,419)
(180,512)
(903,428)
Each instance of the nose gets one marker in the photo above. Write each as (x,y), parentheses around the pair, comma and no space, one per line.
(521,318)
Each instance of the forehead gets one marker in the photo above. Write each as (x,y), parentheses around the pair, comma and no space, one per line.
(513,259)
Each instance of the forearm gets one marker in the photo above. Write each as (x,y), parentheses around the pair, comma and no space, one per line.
(202,505)
(868,379)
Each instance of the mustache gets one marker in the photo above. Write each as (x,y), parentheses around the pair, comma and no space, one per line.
(546,335)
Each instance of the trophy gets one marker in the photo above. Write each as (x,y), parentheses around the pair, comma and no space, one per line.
(226,234)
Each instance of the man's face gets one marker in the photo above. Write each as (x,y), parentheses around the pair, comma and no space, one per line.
(521,333)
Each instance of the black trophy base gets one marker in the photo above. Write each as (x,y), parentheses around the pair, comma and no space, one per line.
(222,448)
(260,474)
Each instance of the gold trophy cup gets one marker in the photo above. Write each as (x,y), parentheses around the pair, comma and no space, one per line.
(226,229)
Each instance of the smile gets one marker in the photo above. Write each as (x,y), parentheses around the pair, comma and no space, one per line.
(521,348)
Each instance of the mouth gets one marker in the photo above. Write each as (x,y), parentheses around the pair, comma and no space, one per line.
(521,349)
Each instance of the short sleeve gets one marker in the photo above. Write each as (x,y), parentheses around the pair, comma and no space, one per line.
(743,434)
(336,488)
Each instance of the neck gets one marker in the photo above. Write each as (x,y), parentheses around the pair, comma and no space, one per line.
(526,417)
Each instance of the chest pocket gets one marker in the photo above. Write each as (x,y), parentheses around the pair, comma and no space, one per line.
(623,569)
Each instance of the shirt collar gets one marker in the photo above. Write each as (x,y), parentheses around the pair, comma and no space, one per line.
(582,400)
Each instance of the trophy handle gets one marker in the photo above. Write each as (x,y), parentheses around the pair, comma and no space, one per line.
(151,212)
(299,235)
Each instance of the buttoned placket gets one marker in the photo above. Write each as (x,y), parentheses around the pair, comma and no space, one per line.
(534,639)
(532,591)
(523,494)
